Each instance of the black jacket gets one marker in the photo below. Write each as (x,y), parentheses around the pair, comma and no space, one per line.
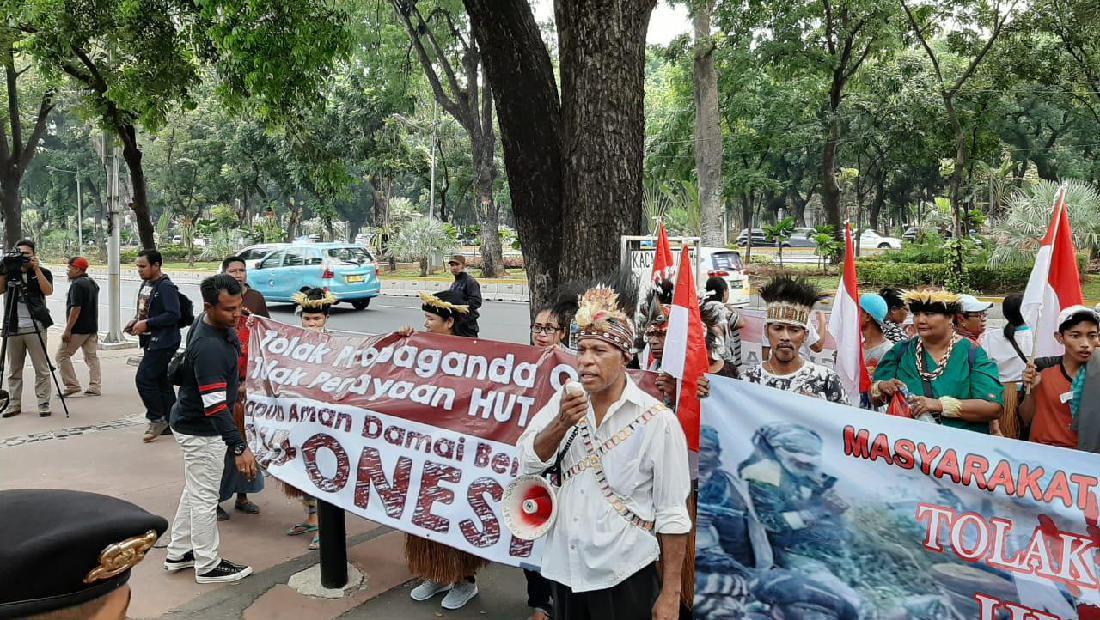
(470,290)
(164,317)
(36,302)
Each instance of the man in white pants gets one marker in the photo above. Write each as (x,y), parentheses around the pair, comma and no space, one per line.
(203,426)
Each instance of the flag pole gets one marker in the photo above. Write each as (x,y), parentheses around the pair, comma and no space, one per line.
(1059,206)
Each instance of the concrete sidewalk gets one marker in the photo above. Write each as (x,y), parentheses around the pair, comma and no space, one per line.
(99,449)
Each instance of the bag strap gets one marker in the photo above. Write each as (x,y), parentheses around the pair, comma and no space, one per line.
(554,472)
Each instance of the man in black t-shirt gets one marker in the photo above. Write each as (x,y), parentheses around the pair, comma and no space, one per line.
(202,422)
(81,329)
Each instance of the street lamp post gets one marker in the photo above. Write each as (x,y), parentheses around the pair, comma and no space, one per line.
(79,209)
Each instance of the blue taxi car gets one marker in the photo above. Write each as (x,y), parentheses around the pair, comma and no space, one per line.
(348,271)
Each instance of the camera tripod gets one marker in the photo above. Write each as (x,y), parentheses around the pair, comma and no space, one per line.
(17,290)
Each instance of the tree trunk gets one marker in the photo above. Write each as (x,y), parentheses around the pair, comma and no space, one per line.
(708,132)
(746,219)
(488,212)
(131,152)
(602,56)
(294,218)
(492,254)
(518,64)
(830,193)
(798,209)
(877,202)
(12,208)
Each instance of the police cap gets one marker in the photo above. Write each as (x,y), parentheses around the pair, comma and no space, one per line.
(59,548)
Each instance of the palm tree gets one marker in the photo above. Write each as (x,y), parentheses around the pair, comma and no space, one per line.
(1028,214)
(779,232)
(420,239)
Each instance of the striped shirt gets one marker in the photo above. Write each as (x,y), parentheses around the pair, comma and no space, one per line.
(209,387)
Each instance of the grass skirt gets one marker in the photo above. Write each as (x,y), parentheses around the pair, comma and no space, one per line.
(1009,420)
(431,560)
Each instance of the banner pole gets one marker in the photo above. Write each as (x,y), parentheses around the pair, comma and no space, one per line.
(334,551)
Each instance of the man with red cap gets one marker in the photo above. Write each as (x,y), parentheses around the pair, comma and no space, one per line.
(81,329)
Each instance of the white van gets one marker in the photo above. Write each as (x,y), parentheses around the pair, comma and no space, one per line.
(726,264)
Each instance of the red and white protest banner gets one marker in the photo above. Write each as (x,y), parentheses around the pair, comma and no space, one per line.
(417,433)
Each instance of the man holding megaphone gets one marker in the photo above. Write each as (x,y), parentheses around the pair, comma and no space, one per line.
(624,481)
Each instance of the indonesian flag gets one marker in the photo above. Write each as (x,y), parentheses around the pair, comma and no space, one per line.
(662,260)
(844,326)
(1055,282)
(686,349)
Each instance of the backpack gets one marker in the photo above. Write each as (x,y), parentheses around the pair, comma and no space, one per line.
(177,366)
(187,311)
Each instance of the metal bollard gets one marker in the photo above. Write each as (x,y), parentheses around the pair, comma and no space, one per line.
(334,551)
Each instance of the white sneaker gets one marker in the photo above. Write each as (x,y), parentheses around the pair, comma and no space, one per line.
(460,594)
(427,589)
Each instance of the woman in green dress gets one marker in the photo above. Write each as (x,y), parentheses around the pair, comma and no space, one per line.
(948,378)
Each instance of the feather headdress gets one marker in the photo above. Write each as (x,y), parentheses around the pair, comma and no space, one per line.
(789,300)
(433,301)
(600,316)
(313,299)
(936,301)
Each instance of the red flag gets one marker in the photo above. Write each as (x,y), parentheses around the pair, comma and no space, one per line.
(686,349)
(1055,283)
(844,326)
(662,259)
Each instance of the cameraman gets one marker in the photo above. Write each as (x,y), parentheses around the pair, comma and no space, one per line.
(33,284)
(156,324)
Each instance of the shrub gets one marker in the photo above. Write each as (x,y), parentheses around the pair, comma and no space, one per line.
(170,253)
(983,277)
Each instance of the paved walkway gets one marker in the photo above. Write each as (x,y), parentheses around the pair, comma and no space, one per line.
(99,449)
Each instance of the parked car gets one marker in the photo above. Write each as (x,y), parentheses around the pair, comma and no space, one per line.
(870,239)
(802,238)
(758,237)
(253,254)
(726,264)
(346,270)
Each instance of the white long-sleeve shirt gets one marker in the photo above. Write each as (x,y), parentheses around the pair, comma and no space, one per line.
(591,546)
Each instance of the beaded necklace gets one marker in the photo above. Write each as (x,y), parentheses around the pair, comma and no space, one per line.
(941,364)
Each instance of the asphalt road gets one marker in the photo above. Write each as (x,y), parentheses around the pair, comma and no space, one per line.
(503,321)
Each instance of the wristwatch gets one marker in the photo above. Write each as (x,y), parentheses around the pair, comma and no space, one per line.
(239,449)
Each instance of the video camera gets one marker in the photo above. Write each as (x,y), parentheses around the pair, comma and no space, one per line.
(12,263)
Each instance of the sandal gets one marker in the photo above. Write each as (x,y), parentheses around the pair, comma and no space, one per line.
(315,543)
(301,528)
(247,506)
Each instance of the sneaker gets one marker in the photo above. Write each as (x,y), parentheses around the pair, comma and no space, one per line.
(222,514)
(187,561)
(10,413)
(427,589)
(462,592)
(91,392)
(156,429)
(224,572)
(45,414)
(71,391)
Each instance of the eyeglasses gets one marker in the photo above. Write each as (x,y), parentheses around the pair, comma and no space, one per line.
(544,329)
(976,315)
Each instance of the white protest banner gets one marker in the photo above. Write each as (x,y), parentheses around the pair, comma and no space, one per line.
(417,433)
(808,509)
